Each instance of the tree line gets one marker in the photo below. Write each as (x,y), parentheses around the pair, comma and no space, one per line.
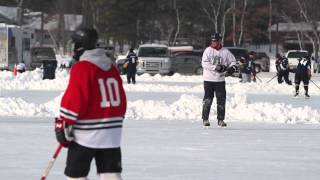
(182,21)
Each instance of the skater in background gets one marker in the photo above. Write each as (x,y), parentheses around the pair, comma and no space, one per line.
(252,57)
(21,67)
(245,69)
(92,111)
(217,61)
(131,65)
(282,66)
(303,73)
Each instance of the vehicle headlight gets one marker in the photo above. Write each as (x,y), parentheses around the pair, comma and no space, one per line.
(140,63)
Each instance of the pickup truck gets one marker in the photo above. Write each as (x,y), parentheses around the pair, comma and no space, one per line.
(293,56)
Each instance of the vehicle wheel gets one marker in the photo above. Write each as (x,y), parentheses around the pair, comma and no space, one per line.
(268,69)
(170,73)
(199,71)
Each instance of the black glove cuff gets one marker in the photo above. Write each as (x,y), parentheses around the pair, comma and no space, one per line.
(231,70)
(220,68)
(64,133)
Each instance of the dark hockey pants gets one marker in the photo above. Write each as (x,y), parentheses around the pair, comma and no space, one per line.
(131,76)
(211,89)
(304,78)
(285,76)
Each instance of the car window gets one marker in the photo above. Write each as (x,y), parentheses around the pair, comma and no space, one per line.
(43,53)
(238,52)
(187,53)
(188,57)
(153,52)
(297,54)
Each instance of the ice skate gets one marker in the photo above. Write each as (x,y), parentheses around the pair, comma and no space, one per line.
(221,123)
(307,95)
(206,123)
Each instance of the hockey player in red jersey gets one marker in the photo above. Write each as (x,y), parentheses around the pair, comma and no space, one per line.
(92,111)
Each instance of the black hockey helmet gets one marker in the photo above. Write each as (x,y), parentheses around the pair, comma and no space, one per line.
(85,38)
(252,53)
(216,36)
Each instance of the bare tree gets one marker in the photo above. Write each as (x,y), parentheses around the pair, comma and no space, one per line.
(223,23)
(289,20)
(217,12)
(213,12)
(61,25)
(234,23)
(88,16)
(270,24)
(313,23)
(242,21)
(180,19)
(19,12)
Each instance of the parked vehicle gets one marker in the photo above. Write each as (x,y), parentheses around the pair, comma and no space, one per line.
(186,62)
(153,59)
(293,56)
(15,44)
(40,56)
(262,62)
(238,53)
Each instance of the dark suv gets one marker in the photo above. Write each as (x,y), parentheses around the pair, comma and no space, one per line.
(41,55)
(188,62)
(238,53)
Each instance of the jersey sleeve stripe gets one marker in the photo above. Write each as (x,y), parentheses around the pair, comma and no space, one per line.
(83,121)
(67,116)
(66,111)
(95,123)
(98,128)
(105,124)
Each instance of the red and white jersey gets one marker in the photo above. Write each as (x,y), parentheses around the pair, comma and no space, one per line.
(95,101)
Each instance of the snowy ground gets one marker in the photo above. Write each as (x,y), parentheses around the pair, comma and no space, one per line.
(271,135)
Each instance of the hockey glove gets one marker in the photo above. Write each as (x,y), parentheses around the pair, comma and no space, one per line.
(64,133)
(231,70)
(220,68)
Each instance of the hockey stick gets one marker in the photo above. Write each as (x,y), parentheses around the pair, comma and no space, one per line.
(51,162)
(272,78)
(315,84)
(258,78)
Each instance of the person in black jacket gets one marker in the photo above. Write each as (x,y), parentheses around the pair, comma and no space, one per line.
(131,65)
(303,73)
(252,57)
(246,69)
(282,66)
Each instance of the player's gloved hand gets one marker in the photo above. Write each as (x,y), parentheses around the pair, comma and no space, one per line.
(231,70)
(64,133)
(220,68)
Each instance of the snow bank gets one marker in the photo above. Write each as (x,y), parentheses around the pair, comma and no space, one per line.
(186,104)
(186,108)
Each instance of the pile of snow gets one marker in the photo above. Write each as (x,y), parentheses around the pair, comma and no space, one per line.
(183,98)
(32,80)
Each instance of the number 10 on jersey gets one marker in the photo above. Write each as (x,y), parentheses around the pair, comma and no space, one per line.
(109,90)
